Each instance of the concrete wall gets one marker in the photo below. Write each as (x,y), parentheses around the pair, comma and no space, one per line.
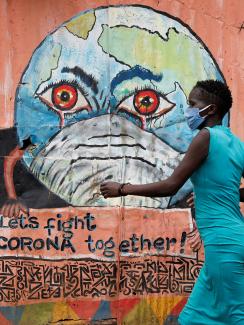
(97,97)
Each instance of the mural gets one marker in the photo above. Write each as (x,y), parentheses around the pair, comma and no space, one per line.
(102,98)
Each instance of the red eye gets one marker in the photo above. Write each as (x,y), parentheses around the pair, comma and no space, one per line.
(64,96)
(146,102)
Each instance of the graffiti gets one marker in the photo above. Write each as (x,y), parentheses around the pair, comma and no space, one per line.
(78,233)
(27,280)
(173,275)
(89,109)
(102,98)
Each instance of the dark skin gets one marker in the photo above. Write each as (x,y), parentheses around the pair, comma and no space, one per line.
(198,150)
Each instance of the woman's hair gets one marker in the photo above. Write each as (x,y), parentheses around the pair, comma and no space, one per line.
(218,93)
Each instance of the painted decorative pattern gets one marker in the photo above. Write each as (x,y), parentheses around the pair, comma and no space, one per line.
(28,280)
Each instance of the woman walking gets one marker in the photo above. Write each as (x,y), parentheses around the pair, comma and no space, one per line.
(215,164)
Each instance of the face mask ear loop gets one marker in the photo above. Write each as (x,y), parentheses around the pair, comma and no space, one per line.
(203,109)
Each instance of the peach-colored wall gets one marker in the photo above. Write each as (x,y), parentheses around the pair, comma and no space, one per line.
(24,23)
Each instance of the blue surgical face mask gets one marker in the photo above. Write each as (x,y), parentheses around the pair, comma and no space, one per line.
(193,118)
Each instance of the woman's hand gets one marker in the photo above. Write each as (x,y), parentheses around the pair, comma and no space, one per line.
(13,208)
(110,189)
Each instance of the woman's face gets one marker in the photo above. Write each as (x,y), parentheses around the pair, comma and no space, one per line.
(197,99)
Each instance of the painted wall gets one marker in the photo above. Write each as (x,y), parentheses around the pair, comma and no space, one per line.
(101,96)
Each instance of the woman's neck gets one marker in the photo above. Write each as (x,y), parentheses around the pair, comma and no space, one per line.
(212,122)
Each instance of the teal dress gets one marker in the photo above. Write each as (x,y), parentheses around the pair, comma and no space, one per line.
(218,295)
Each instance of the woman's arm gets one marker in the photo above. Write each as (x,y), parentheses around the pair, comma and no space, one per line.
(194,157)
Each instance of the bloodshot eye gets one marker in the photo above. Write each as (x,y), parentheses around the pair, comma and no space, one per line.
(64,97)
(146,102)
(145,107)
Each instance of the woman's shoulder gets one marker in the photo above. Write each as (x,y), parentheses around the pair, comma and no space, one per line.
(200,141)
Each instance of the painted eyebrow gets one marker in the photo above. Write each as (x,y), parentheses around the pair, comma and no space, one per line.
(136,71)
(88,79)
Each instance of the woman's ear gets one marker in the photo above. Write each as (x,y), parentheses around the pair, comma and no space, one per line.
(212,109)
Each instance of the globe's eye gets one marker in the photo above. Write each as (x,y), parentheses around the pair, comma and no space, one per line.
(145,106)
(146,102)
(64,98)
